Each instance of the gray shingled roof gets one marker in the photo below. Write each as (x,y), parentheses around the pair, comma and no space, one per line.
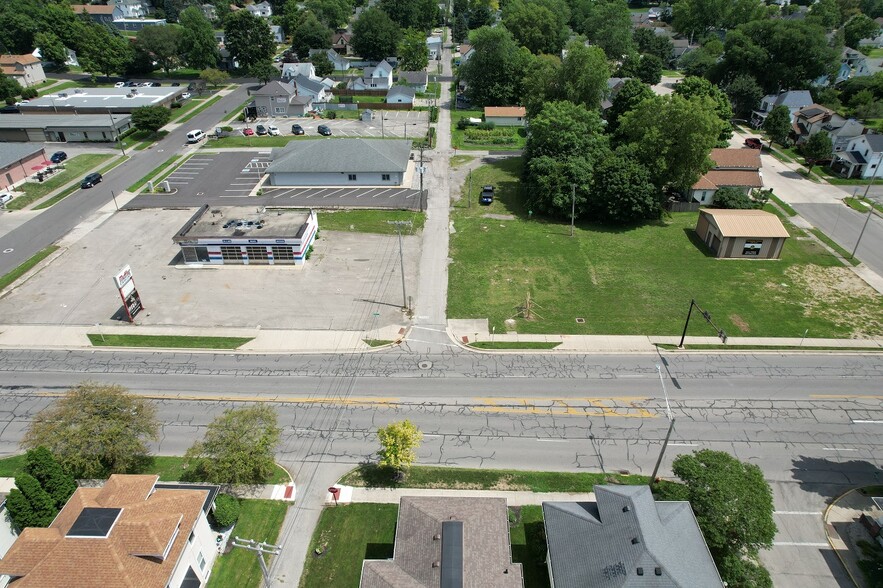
(404,90)
(605,543)
(486,558)
(794,98)
(875,141)
(414,77)
(274,88)
(11,153)
(312,85)
(342,155)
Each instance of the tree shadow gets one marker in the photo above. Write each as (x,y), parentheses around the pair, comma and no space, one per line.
(378,477)
(379,551)
(829,479)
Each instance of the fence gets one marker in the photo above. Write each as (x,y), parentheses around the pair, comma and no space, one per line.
(682,206)
(384,106)
(349,92)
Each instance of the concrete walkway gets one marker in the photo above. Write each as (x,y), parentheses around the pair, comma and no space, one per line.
(844,530)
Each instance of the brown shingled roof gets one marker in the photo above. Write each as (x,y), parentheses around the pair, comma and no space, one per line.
(725,177)
(93,8)
(504,111)
(736,158)
(26,59)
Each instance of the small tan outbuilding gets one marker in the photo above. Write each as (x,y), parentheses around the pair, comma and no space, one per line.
(741,234)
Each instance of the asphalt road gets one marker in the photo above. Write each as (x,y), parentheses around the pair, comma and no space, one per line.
(49,226)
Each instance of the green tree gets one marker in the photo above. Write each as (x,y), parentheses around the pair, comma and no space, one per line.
(584,74)
(20,511)
(649,42)
(322,64)
(733,505)
(41,508)
(9,89)
(332,13)
(150,118)
(647,68)
(413,52)
(51,48)
(42,465)
(227,509)
(817,148)
(398,444)
(248,39)
(213,77)
(95,430)
(744,93)
(411,14)
(292,15)
(744,573)
(103,51)
(263,71)
(672,137)
(238,447)
(197,45)
(825,13)
(609,26)
(623,193)
(496,69)
(692,87)
(695,18)
(859,27)
(778,125)
(310,34)
(542,83)
(632,93)
(732,197)
(375,35)
(162,44)
(535,26)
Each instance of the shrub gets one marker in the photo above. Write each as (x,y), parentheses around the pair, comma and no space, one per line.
(241,117)
(226,511)
(463,124)
(227,129)
(174,105)
(309,252)
(486,126)
(329,114)
(28,93)
(433,114)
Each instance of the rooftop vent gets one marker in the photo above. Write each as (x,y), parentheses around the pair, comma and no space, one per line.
(625,509)
(658,571)
(436,537)
(640,571)
(436,564)
(635,541)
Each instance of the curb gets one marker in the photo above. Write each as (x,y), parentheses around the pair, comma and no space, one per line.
(831,543)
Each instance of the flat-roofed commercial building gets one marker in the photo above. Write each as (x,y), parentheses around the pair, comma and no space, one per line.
(245,236)
(63,128)
(102,100)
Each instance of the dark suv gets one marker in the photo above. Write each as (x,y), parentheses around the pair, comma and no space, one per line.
(261,129)
(487,195)
(58,157)
(297,130)
(90,180)
(324,130)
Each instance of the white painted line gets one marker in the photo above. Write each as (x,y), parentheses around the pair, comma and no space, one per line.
(798,544)
(683,445)
(553,440)
(859,422)
(838,449)
(431,436)
(798,512)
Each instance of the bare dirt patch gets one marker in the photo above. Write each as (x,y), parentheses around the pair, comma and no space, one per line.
(740,323)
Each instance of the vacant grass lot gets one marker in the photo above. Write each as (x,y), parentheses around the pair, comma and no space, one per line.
(167,341)
(370,221)
(74,168)
(459,139)
(640,279)
(259,520)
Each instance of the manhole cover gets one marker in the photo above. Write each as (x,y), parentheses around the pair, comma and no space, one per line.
(580,321)
(425,365)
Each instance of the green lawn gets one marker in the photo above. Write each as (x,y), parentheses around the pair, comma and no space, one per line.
(188,106)
(167,341)
(527,537)
(856,204)
(514,345)
(70,190)
(74,168)
(459,140)
(458,160)
(259,520)
(370,221)
(171,160)
(638,280)
(197,109)
(376,342)
(480,479)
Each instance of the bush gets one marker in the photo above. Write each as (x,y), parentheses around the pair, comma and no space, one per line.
(174,105)
(463,124)
(433,114)
(329,114)
(241,117)
(28,93)
(489,137)
(486,126)
(226,511)
(227,129)
(309,252)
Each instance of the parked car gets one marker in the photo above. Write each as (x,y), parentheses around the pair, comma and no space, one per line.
(324,130)
(90,180)
(273,130)
(247,132)
(4,198)
(753,143)
(487,195)
(261,129)
(297,130)
(120,85)
(175,84)
(186,96)
(195,136)
(58,157)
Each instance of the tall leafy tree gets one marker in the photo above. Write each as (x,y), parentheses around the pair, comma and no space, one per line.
(197,45)
(213,77)
(103,51)
(51,48)
(695,18)
(18,32)
(857,28)
(672,137)
(398,444)
(632,93)
(310,34)
(817,148)
(609,26)
(411,14)
(42,465)
(647,68)
(162,44)
(263,71)
(238,447)
(649,42)
(413,51)
(825,13)
(150,118)
(542,83)
(494,72)
(540,27)
(744,92)
(778,125)
(691,87)
(95,430)
(332,13)
(37,509)
(9,88)
(375,35)
(622,192)
(248,39)
(322,64)
(584,74)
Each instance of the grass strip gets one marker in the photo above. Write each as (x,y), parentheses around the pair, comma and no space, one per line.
(169,341)
(783,205)
(377,342)
(134,187)
(238,110)
(62,195)
(205,104)
(370,475)
(514,345)
(370,221)
(73,167)
(670,347)
(18,272)
(458,160)
(830,243)
(261,521)
(856,204)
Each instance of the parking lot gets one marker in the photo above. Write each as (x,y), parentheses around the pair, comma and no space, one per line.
(225,175)
(386,123)
(349,277)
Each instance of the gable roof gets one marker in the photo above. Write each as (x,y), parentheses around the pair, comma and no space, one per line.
(814,113)
(414,77)
(274,88)
(303,68)
(875,141)
(339,155)
(138,546)
(736,158)
(505,111)
(722,178)
(308,84)
(434,534)
(26,59)
(382,69)
(93,8)
(402,90)
(790,98)
(745,223)
(626,539)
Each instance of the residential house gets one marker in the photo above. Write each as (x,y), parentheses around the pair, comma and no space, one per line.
(137,24)
(434,46)
(861,158)
(100,13)
(17,161)
(313,88)
(131,8)
(681,47)
(133,531)
(625,538)
(341,162)
(339,62)
(419,80)
(25,69)
(262,9)
(466,51)
(505,116)
(843,73)
(614,85)
(292,70)
(793,99)
(741,234)
(877,40)
(843,131)
(374,78)
(734,168)
(278,99)
(209,11)
(400,95)
(868,66)
(448,541)
(341,43)
(809,120)
(278,35)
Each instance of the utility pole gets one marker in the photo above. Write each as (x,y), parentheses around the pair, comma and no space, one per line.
(398,226)
(469,192)
(671,426)
(864,226)
(112,129)
(260,549)
(422,170)
(572,207)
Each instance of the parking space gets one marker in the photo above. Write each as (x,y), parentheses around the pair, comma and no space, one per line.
(343,197)
(385,123)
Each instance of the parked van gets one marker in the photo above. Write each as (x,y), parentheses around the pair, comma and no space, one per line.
(195,136)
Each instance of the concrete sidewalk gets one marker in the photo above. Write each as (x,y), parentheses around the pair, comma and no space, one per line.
(845,531)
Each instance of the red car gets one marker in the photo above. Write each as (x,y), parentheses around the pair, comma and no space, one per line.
(753,143)
(247,132)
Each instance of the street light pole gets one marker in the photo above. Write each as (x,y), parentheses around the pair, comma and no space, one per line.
(398,225)
(119,136)
(671,426)
(572,207)
(864,226)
